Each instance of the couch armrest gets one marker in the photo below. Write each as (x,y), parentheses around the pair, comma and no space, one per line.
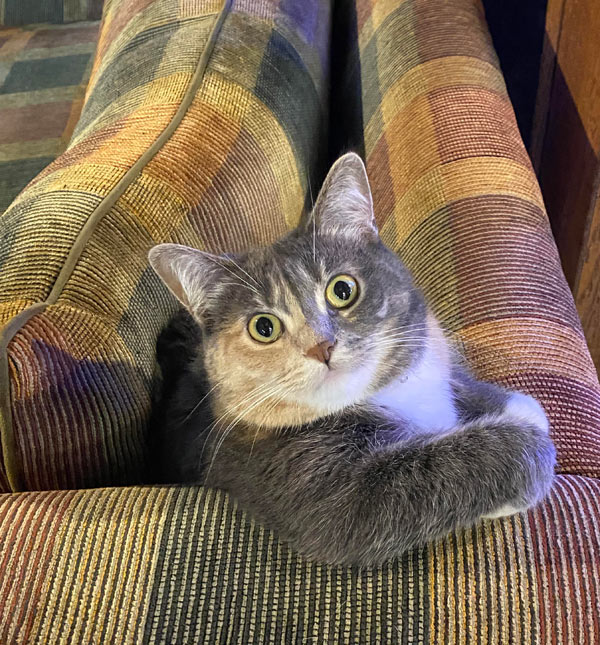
(456,196)
(198,128)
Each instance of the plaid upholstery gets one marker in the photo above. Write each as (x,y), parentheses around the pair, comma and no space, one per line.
(44,73)
(184,565)
(198,127)
(456,196)
(25,12)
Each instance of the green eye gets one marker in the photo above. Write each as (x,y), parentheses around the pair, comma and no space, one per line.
(265,328)
(341,291)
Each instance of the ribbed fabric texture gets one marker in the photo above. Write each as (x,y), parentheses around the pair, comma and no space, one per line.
(233,174)
(14,13)
(456,196)
(184,565)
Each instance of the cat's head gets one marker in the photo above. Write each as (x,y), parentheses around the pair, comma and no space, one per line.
(316,322)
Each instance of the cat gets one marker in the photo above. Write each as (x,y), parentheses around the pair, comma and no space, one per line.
(311,381)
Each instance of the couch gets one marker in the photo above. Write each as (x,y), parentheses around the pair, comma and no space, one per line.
(211,123)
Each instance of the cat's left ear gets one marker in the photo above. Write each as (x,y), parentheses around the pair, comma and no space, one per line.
(345,205)
(191,275)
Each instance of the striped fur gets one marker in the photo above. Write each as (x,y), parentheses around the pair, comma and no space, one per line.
(181,565)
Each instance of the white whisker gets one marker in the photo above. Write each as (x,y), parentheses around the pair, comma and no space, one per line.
(257,391)
(273,405)
(256,282)
(236,421)
(235,275)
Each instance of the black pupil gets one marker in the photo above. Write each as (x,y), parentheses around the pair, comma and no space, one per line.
(342,290)
(264,327)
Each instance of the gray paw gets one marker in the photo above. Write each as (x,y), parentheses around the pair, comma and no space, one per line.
(525,408)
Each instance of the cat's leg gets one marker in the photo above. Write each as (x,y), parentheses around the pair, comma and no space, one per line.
(347,501)
(476,399)
(374,506)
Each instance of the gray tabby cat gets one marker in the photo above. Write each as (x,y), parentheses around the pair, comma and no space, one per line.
(313,383)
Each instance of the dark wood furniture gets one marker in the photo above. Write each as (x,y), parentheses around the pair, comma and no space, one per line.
(565,149)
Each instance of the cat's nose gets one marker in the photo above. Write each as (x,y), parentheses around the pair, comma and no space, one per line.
(321,351)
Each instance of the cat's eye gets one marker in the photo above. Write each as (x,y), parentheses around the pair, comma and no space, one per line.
(341,291)
(265,328)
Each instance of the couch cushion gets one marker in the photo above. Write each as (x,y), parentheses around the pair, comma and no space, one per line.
(198,127)
(38,106)
(185,565)
(456,196)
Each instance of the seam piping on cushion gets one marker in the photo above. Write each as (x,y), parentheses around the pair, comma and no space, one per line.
(14,470)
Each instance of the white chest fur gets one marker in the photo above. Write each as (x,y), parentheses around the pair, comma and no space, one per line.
(424,395)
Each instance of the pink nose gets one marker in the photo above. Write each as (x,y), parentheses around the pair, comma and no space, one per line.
(321,352)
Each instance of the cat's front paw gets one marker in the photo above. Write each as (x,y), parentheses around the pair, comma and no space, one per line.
(525,409)
(506,510)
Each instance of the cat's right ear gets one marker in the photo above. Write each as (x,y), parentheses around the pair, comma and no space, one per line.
(189,274)
(344,206)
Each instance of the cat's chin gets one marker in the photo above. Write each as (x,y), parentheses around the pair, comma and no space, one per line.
(336,387)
